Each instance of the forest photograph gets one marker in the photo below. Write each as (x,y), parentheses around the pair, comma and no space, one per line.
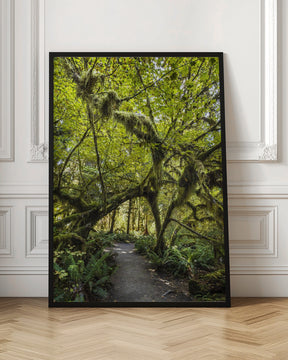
(137,180)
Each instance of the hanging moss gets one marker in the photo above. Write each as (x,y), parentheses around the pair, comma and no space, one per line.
(107,103)
(214,178)
(86,82)
(187,183)
(138,125)
(129,119)
(212,206)
(96,100)
(62,240)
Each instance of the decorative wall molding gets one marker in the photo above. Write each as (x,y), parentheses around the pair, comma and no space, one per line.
(253,231)
(266,149)
(7,80)
(255,216)
(259,270)
(39,153)
(235,190)
(39,141)
(37,231)
(254,193)
(23,270)
(5,231)
(257,191)
(268,153)
(28,191)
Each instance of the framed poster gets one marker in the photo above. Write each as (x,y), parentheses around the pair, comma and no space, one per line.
(138,200)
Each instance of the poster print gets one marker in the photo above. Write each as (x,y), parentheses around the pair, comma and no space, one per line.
(138,202)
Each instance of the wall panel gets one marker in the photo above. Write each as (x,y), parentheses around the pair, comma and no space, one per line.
(247,31)
(7,80)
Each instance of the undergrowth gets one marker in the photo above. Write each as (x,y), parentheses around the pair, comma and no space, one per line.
(194,260)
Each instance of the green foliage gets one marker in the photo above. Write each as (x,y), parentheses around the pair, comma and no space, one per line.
(104,239)
(184,258)
(121,237)
(106,103)
(173,261)
(195,261)
(100,239)
(136,143)
(209,286)
(201,255)
(81,276)
(145,244)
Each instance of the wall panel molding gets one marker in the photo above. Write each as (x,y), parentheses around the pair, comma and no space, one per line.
(36,231)
(39,140)
(260,255)
(254,190)
(7,80)
(253,231)
(259,270)
(5,231)
(266,149)
(235,190)
(251,201)
(256,215)
(18,191)
(23,270)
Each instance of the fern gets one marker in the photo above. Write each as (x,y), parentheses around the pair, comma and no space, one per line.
(81,276)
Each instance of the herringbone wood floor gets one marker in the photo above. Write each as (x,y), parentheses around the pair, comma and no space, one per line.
(255,329)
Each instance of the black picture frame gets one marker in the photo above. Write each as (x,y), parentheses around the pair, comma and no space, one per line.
(52,303)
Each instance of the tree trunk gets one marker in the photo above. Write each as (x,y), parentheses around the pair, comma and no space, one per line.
(146,232)
(153,202)
(112,221)
(174,235)
(160,246)
(129,216)
(139,215)
(133,215)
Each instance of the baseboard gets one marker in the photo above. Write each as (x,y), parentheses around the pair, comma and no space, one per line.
(259,285)
(23,286)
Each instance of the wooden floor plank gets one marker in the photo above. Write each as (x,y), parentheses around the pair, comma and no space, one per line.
(252,328)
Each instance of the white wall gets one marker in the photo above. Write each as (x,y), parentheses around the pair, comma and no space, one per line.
(23,170)
(257,176)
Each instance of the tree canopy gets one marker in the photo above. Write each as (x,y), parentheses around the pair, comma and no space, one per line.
(137,138)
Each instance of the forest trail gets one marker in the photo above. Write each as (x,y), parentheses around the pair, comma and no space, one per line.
(136,281)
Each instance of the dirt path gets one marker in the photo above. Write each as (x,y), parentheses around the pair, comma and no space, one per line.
(136,281)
